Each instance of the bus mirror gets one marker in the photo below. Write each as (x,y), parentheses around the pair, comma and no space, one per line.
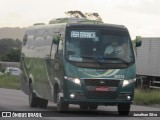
(56,39)
(138,41)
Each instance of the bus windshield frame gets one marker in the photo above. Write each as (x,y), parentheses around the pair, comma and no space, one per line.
(93,46)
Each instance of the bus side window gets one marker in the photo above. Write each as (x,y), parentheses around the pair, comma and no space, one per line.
(24,39)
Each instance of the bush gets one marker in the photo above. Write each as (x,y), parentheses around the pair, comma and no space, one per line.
(10,82)
(143,97)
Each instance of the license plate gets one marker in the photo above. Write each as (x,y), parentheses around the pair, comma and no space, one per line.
(102,88)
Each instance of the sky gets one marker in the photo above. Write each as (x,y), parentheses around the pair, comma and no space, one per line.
(141,17)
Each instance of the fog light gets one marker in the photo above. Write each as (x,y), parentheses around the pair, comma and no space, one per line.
(72,95)
(128,97)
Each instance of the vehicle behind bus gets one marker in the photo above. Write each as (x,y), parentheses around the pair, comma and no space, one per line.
(89,64)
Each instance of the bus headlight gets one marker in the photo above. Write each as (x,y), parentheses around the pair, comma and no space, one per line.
(74,80)
(127,82)
(77,81)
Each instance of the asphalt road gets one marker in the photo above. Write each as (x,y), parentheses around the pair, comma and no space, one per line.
(16,100)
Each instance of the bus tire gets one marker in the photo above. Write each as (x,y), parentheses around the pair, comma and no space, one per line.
(123,109)
(43,103)
(33,100)
(61,105)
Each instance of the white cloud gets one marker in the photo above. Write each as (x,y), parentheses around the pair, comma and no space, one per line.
(144,6)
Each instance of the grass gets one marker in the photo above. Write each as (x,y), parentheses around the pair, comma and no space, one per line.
(10,82)
(149,97)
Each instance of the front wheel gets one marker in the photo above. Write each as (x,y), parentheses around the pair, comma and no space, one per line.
(33,100)
(61,105)
(123,109)
(43,103)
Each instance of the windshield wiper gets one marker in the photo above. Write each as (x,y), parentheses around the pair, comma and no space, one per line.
(118,59)
(101,59)
(92,59)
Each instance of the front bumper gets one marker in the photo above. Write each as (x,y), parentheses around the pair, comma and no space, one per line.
(86,94)
(80,97)
(98,102)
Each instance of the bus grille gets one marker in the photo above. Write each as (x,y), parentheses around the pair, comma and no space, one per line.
(101,94)
(97,82)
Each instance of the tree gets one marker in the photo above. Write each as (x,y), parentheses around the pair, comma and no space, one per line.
(93,16)
(79,14)
(10,50)
(14,55)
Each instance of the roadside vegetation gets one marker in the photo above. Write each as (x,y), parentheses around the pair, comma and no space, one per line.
(147,97)
(10,82)
(10,50)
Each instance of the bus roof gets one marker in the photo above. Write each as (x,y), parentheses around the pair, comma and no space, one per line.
(75,22)
(96,25)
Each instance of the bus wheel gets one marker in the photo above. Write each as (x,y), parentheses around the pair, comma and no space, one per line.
(33,100)
(61,105)
(123,109)
(43,103)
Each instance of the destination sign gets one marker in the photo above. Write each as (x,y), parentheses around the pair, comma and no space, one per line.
(78,34)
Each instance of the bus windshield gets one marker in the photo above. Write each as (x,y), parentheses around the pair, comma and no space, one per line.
(99,45)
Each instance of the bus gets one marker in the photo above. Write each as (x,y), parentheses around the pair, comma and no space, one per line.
(78,61)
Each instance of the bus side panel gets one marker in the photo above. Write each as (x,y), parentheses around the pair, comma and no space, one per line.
(37,60)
